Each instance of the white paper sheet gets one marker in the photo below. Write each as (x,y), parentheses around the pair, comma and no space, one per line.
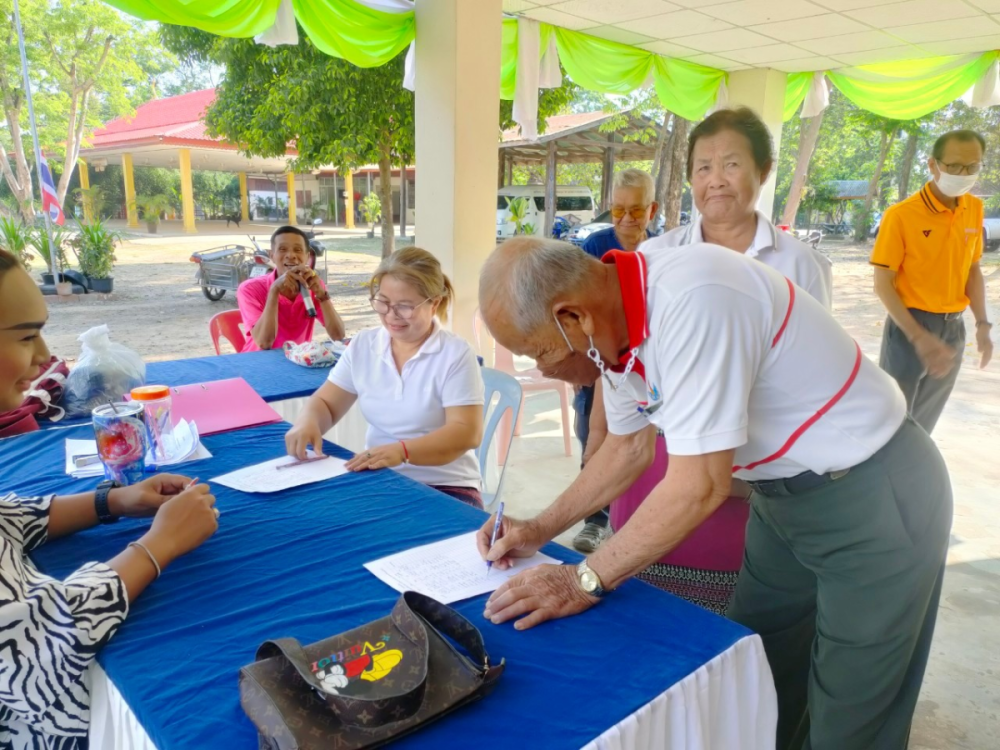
(267,477)
(449,570)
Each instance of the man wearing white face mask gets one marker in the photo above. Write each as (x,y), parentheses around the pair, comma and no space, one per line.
(927,273)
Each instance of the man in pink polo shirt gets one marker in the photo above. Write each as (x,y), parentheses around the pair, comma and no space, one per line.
(273,309)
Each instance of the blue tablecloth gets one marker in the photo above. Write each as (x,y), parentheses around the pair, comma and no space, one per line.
(291,565)
(268,372)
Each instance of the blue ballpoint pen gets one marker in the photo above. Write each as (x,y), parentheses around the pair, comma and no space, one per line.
(493,539)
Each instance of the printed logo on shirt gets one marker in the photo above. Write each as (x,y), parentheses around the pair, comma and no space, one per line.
(927,232)
(654,392)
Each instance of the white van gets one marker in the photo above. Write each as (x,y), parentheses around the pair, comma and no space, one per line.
(575,200)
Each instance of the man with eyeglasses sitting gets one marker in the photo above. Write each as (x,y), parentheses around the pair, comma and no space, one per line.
(926,260)
(632,209)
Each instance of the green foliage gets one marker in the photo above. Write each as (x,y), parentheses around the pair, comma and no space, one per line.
(39,239)
(550,102)
(95,248)
(152,206)
(518,210)
(15,238)
(88,62)
(371,208)
(216,192)
(92,199)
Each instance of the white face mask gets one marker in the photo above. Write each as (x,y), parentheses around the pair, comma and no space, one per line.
(954,185)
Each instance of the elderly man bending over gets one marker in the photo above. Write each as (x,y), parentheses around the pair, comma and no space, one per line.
(746,375)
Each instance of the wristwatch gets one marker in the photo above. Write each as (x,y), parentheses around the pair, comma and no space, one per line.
(983,324)
(590,582)
(101,501)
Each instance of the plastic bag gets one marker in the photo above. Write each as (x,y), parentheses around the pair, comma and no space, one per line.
(106,371)
(314,353)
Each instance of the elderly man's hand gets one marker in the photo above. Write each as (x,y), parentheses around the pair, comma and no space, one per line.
(516,538)
(539,594)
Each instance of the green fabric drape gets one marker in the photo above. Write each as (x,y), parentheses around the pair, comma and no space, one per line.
(508,58)
(368,37)
(340,28)
(236,18)
(687,89)
(795,92)
(364,36)
(909,89)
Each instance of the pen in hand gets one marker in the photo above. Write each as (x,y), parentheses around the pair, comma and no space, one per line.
(493,539)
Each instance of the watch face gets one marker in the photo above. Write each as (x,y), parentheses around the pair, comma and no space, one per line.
(589,581)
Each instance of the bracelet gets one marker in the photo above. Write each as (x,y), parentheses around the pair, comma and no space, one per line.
(152,559)
(980,323)
(406,453)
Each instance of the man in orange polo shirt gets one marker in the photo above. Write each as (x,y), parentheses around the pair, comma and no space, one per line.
(927,272)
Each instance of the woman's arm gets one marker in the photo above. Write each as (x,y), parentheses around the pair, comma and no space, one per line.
(322,411)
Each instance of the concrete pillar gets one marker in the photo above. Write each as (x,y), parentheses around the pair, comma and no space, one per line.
(244,197)
(292,207)
(128,174)
(763,91)
(348,199)
(457,108)
(88,212)
(187,190)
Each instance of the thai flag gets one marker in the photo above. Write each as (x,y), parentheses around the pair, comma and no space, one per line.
(50,198)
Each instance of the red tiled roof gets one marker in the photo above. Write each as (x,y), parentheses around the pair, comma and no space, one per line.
(558,123)
(173,117)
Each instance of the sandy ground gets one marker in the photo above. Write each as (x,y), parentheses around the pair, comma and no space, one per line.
(158,311)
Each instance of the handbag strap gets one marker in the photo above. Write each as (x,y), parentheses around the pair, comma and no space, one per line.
(412,614)
(446,621)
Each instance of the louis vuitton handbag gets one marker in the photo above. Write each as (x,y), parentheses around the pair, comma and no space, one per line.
(368,686)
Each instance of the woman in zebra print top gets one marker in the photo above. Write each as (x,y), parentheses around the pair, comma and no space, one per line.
(51,630)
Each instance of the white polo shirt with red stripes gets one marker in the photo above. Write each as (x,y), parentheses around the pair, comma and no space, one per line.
(729,356)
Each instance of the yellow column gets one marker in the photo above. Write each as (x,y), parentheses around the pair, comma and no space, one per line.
(88,214)
(349,199)
(129,175)
(291,200)
(244,198)
(187,190)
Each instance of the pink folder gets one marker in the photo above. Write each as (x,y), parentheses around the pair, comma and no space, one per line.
(221,406)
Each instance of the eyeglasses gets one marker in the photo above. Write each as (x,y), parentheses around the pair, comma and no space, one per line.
(959,169)
(401,311)
(636,213)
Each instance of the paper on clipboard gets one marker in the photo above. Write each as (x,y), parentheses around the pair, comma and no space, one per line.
(266,477)
(449,570)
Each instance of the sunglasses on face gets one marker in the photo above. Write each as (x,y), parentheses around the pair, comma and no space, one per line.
(637,213)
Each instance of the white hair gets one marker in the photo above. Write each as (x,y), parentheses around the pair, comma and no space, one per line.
(636,178)
(527,275)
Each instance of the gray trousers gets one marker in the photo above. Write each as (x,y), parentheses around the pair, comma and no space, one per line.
(842,583)
(925,396)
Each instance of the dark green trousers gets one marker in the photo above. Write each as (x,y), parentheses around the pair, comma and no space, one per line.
(842,583)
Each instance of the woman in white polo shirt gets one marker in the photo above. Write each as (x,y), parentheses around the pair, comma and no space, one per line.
(730,156)
(418,385)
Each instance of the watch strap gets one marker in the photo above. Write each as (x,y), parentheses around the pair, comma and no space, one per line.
(104,514)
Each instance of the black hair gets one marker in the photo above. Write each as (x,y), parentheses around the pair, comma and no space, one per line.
(289,230)
(956,135)
(740,120)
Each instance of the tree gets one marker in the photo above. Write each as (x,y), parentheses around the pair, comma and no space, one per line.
(677,149)
(808,136)
(82,62)
(331,111)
